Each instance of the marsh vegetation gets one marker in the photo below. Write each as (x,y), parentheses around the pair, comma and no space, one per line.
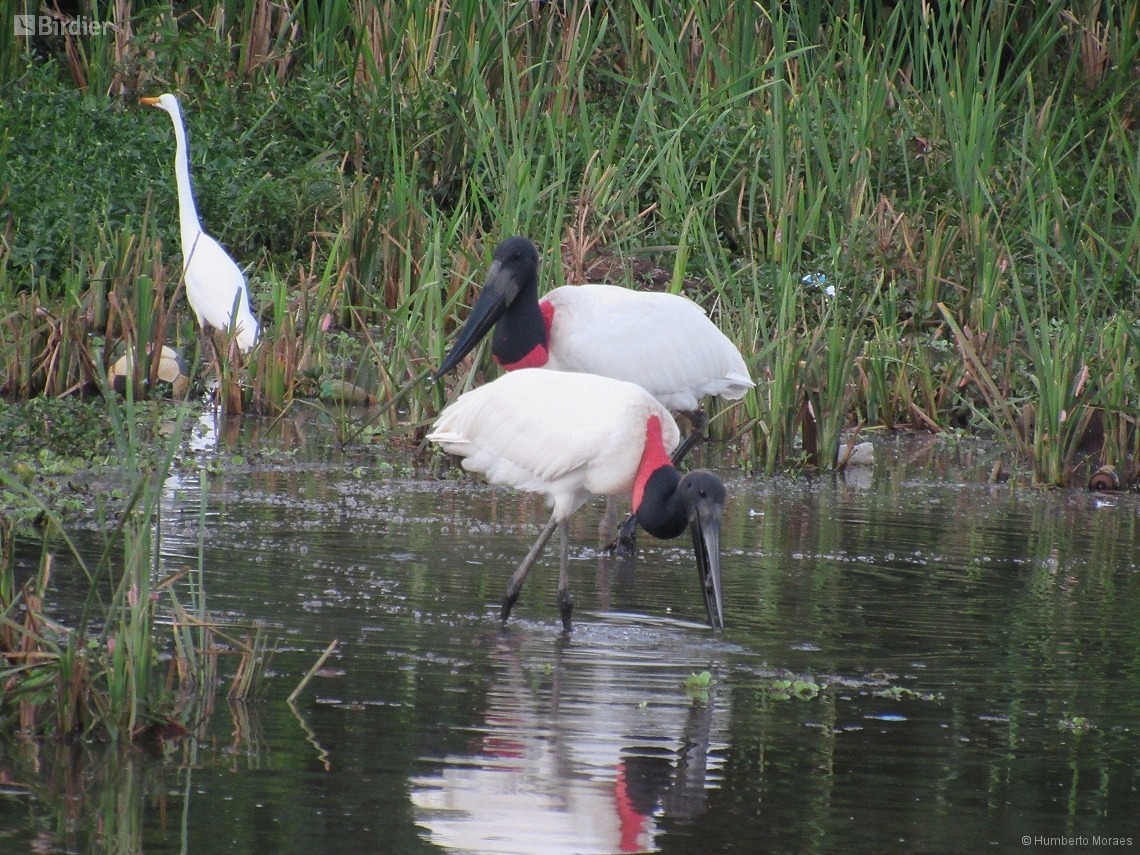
(921,219)
(925,218)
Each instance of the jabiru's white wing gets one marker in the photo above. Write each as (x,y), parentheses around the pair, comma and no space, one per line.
(213,281)
(662,342)
(568,436)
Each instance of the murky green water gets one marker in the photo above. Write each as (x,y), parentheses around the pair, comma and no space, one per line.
(915,662)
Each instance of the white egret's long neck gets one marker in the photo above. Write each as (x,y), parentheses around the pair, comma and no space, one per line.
(187,212)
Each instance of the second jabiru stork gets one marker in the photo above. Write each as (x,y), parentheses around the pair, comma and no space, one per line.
(663,343)
(573,436)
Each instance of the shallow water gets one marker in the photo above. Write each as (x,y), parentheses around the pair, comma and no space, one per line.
(915,661)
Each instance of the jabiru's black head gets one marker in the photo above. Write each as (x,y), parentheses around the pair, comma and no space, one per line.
(510,293)
(669,503)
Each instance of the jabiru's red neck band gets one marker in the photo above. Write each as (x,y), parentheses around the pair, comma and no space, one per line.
(653,457)
(538,355)
(537,358)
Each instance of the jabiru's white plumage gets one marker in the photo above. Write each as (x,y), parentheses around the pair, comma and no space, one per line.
(662,342)
(573,436)
(214,283)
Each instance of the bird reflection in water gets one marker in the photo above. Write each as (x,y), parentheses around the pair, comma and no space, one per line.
(585,753)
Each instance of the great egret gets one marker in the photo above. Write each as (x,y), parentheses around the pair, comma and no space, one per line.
(214,283)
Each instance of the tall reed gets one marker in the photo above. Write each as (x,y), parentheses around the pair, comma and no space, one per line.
(933,159)
(95,674)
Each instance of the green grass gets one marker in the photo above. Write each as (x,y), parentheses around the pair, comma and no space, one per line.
(964,179)
(98,673)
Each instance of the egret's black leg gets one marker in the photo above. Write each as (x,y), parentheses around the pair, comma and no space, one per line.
(565,601)
(516,580)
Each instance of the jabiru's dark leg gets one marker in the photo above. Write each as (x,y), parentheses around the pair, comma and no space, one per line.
(699,424)
(516,580)
(608,527)
(626,540)
(565,601)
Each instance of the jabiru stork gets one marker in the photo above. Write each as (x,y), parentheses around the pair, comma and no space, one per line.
(214,282)
(574,436)
(664,343)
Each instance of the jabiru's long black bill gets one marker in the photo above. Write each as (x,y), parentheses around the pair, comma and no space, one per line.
(497,294)
(704,525)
